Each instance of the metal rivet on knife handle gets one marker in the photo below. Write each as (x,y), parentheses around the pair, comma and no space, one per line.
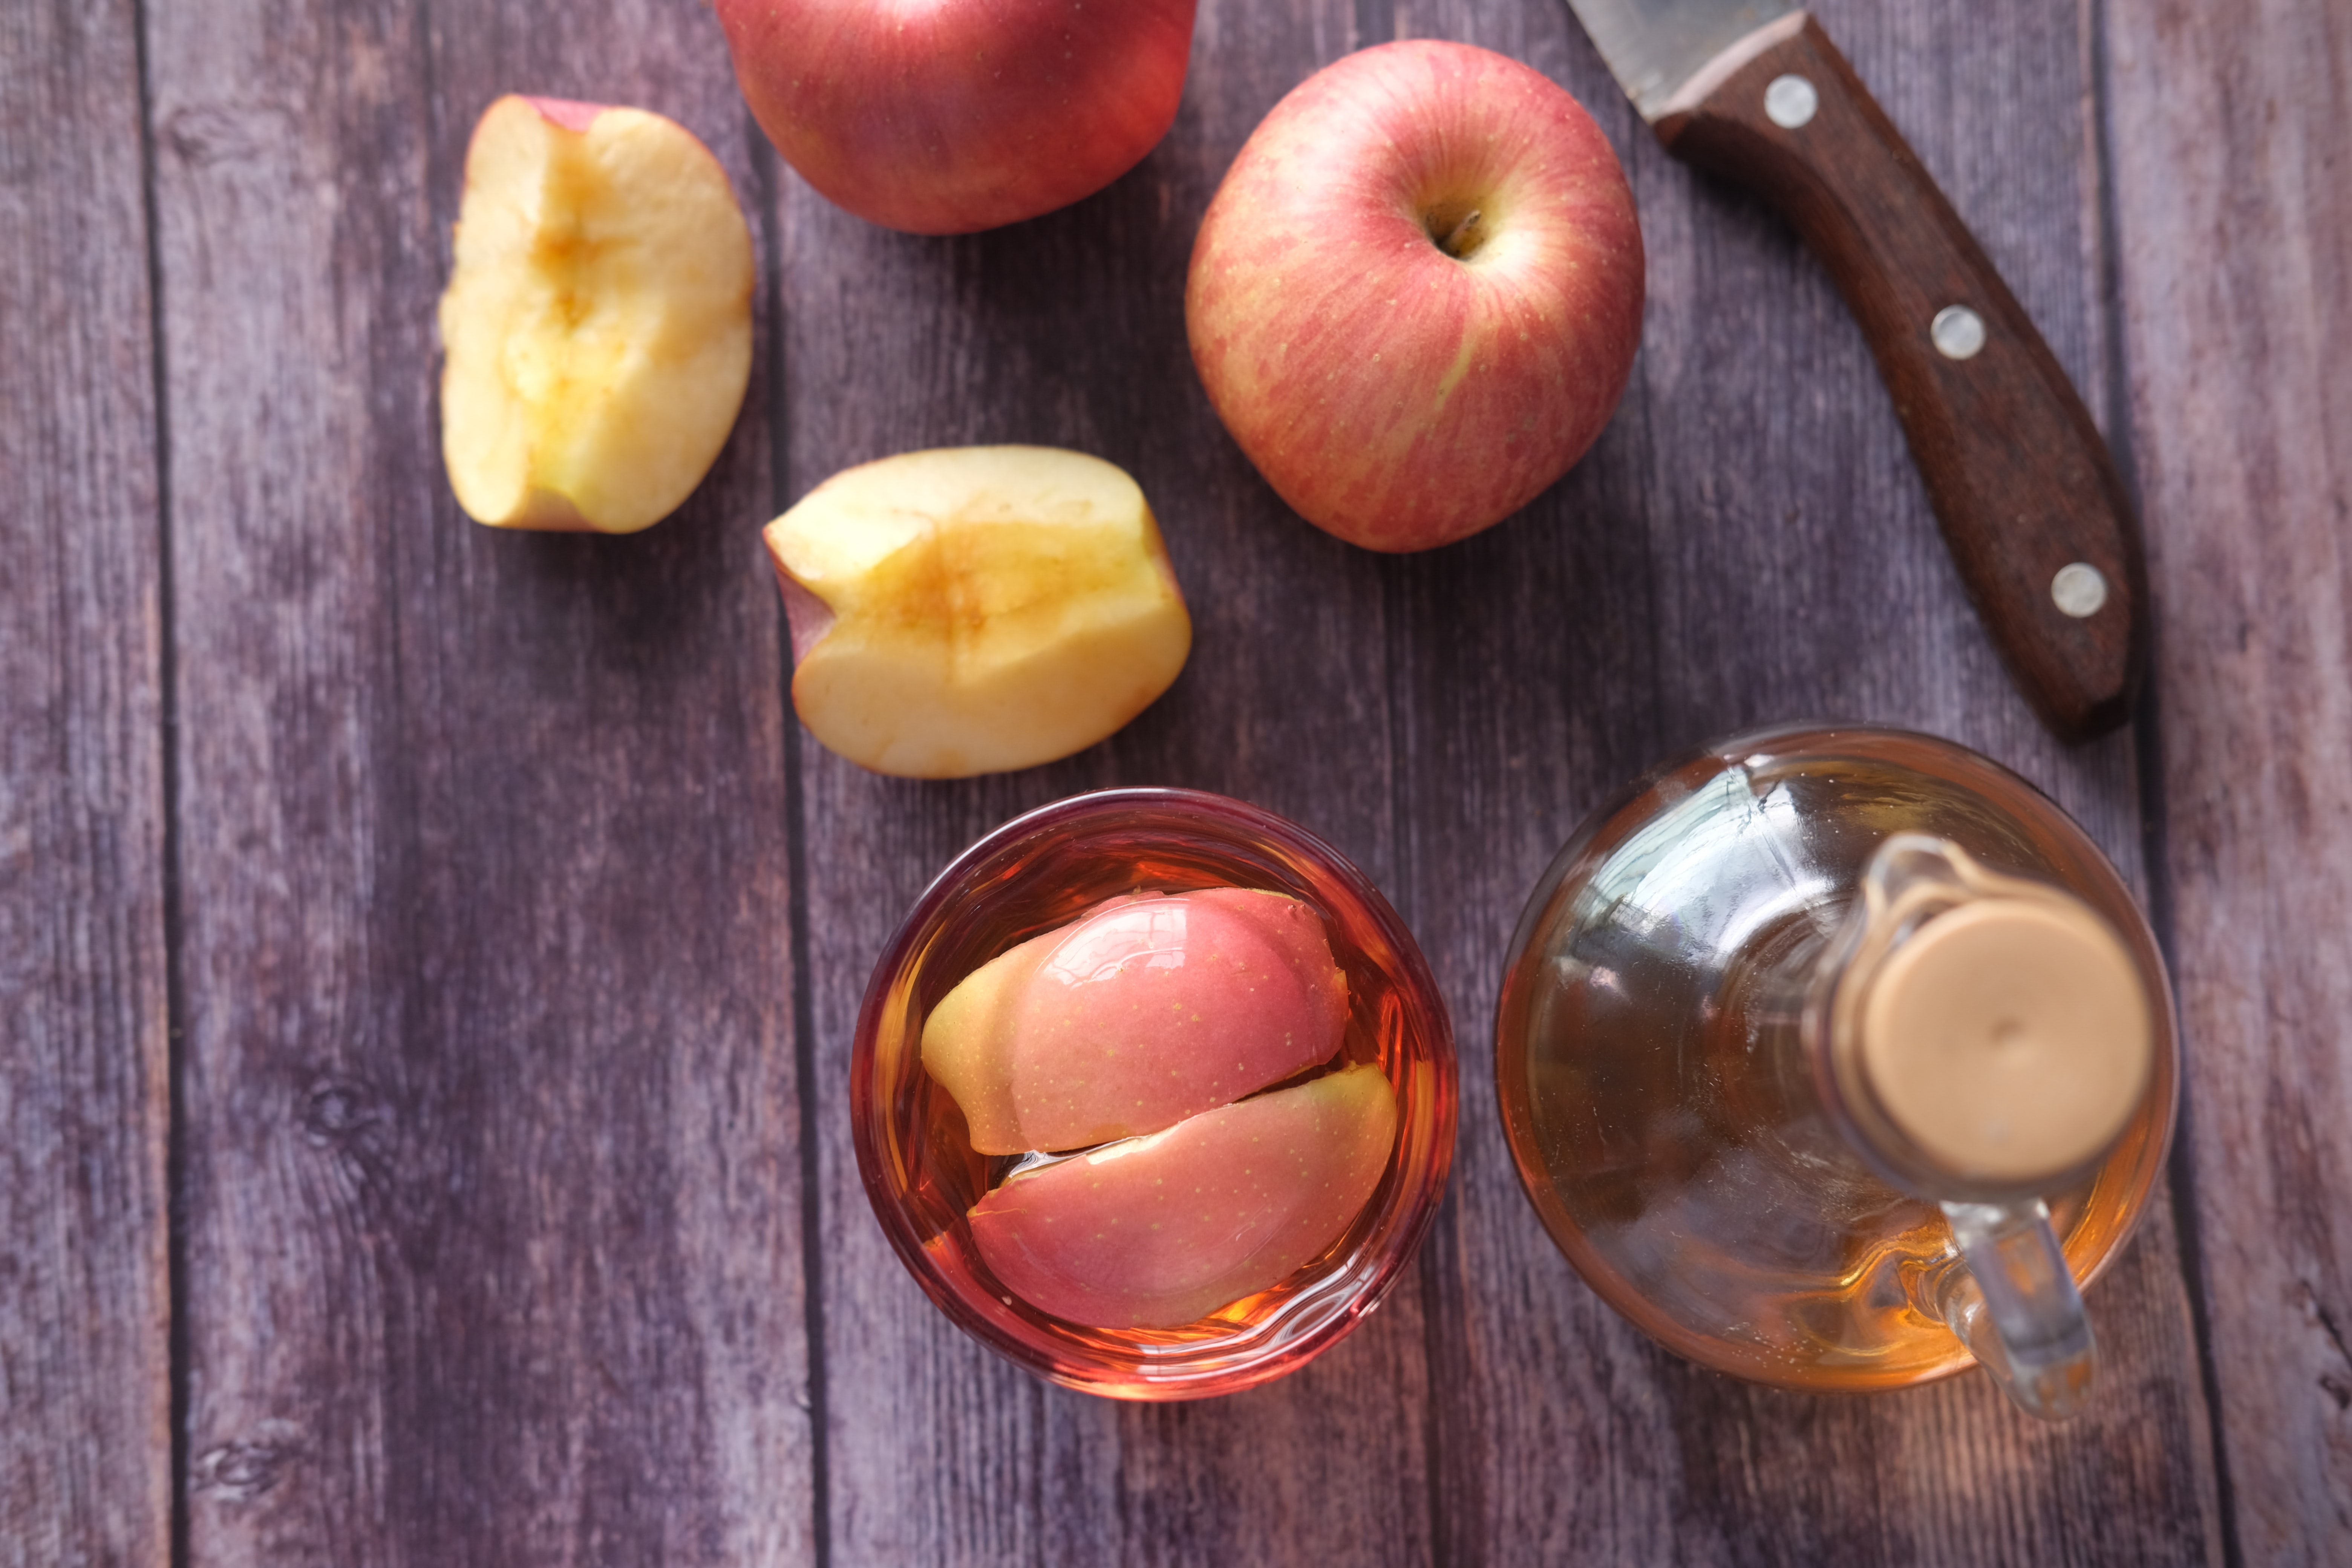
(2079,589)
(1790,101)
(1956,331)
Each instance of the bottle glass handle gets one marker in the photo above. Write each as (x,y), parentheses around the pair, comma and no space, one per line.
(2016,1308)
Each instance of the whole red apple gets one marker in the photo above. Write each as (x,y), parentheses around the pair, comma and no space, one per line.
(1416,297)
(948,116)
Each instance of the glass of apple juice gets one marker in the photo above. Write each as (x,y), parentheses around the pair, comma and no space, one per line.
(1040,872)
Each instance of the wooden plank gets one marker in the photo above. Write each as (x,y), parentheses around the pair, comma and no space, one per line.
(1750,544)
(2235,262)
(85,1382)
(493,1236)
(1070,330)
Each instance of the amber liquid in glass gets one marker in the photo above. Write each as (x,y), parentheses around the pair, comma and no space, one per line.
(1657,1087)
(1395,1026)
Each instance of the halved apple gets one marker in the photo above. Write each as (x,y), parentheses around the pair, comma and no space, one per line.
(598,319)
(1160,1231)
(1141,1013)
(974,609)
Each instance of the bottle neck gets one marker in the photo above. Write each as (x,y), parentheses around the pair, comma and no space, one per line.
(1981,1040)
(1979,1037)
(1763,1006)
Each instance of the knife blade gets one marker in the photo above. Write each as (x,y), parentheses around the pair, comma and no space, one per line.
(2021,483)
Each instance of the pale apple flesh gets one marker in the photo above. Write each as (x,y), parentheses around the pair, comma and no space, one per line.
(1141,1013)
(976,609)
(598,319)
(1415,299)
(1160,1232)
(949,116)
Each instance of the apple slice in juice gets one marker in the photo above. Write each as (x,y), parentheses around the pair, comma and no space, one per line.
(1158,1232)
(1141,1013)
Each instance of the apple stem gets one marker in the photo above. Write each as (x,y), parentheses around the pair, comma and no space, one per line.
(1463,237)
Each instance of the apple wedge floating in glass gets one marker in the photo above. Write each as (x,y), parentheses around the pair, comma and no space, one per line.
(1147,1010)
(1159,1231)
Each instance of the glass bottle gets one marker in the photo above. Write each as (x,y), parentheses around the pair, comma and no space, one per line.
(1834,1057)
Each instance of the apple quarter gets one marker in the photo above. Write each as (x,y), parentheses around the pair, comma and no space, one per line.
(597,325)
(976,609)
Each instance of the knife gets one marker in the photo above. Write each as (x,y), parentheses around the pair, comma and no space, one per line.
(2020,481)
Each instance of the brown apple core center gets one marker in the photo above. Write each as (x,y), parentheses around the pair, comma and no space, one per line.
(1455,227)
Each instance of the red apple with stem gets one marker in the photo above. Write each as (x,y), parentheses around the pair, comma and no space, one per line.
(1416,297)
(948,116)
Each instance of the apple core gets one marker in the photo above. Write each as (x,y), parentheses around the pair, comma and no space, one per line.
(1458,228)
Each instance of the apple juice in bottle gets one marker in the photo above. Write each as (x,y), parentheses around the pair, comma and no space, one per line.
(1832,1057)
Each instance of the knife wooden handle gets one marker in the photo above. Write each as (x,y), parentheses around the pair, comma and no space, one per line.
(2020,478)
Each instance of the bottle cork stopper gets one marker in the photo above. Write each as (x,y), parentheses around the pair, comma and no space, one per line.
(2010,1037)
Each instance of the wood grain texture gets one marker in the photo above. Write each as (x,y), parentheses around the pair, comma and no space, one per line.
(1751,543)
(2019,477)
(85,1384)
(493,1123)
(493,1238)
(1070,330)
(1497,689)
(2231,154)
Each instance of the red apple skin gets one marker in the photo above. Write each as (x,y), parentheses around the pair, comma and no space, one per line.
(949,116)
(1394,395)
(1140,1013)
(568,112)
(1163,1231)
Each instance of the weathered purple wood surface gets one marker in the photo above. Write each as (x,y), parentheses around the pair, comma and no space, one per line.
(492,1196)
(518,931)
(85,1359)
(2235,282)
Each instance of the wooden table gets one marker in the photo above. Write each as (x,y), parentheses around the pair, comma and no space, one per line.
(428,954)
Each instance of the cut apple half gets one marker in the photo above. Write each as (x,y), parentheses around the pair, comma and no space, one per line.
(976,609)
(598,319)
